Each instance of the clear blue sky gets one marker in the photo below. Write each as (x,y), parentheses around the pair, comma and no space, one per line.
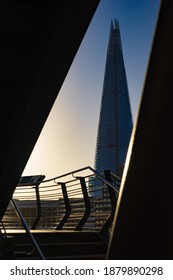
(68,139)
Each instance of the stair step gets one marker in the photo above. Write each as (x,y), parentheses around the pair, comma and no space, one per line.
(64,248)
(56,236)
(79,257)
(60,245)
(67,257)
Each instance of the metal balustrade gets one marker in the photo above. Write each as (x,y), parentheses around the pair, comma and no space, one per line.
(80,200)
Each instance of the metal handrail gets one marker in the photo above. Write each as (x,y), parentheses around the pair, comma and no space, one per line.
(67,207)
(87,204)
(69,203)
(77,171)
(34,242)
(4,244)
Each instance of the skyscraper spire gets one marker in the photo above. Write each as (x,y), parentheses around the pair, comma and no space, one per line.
(112,25)
(115,122)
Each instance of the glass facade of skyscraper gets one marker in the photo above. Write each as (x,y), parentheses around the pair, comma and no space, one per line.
(115,122)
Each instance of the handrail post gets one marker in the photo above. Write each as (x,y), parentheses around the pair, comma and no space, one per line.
(19,214)
(38,217)
(67,207)
(87,204)
(113,200)
(105,180)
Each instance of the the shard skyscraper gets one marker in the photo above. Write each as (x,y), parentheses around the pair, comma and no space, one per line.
(115,122)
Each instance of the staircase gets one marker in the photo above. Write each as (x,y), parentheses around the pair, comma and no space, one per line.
(62,245)
(68,217)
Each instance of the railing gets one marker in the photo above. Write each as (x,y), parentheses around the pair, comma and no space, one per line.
(28,232)
(2,240)
(6,251)
(80,200)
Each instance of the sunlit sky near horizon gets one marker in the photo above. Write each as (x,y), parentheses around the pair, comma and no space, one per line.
(68,139)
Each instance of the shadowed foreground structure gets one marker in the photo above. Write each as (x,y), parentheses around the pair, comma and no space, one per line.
(35,59)
(143,224)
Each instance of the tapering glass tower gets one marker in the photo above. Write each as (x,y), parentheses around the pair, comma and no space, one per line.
(115,122)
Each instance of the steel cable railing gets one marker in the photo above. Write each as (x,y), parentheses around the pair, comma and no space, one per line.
(80,200)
